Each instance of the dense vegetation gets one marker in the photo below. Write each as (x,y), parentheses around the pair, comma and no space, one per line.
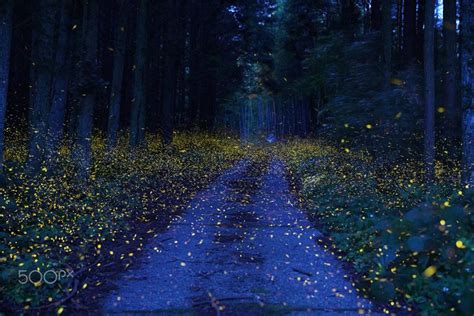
(54,221)
(407,245)
(386,182)
(109,112)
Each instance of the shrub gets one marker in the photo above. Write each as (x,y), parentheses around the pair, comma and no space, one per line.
(408,242)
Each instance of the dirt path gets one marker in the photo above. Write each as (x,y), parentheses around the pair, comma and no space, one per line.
(242,248)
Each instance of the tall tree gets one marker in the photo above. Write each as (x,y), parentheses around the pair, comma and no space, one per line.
(137,123)
(196,59)
(349,17)
(6,8)
(387,40)
(409,31)
(43,72)
(449,34)
(420,22)
(183,30)
(88,89)
(171,64)
(399,25)
(117,77)
(467,75)
(375,14)
(59,86)
(429,91)
(155,64)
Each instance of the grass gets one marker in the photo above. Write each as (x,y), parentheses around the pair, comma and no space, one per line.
(53,222)
(408,242)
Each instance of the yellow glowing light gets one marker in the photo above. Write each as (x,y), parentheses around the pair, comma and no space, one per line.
(429,271)
(460,244)
(397,82)
(442,222)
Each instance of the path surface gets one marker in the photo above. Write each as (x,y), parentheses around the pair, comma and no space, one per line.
(242,248)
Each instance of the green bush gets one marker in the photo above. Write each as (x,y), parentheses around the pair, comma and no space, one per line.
(408,242)
(54,221)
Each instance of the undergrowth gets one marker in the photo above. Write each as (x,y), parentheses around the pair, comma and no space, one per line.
(54,222)
(410,243)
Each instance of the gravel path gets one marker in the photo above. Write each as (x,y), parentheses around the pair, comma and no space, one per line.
(242,248)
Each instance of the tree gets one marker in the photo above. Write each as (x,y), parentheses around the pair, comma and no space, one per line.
(409,31)
(137,123)
(196,58)
(170,72)
(6,8)
(349,17)
(387,40)
(420,21)
(42,76)
(88,89)
(449,33)
(59,87)
(429,91)
(467,76)
(117,77)
(375,14)
(155,65)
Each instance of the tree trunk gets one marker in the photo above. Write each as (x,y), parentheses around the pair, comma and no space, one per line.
(183,30)
(429,91)
(409,31)
(117,76)
(75,96)
(449,32)
(39,110)
(196,59)
(467,81)
(387,41)
(375,15)
(154,61)
(138,105)
(468,146)
(88,86)
(60,88)
(6,8)
(170,74)
(349,17)
(399,37)
(420,22)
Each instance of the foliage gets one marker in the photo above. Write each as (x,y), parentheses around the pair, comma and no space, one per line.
(358,111)
(52,221)
(409,243)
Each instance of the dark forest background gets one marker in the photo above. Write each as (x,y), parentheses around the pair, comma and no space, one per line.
(256,68)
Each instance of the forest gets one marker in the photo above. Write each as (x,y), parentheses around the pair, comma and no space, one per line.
(237,157)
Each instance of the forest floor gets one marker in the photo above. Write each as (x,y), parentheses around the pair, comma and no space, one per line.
(211,226)
(242,246)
